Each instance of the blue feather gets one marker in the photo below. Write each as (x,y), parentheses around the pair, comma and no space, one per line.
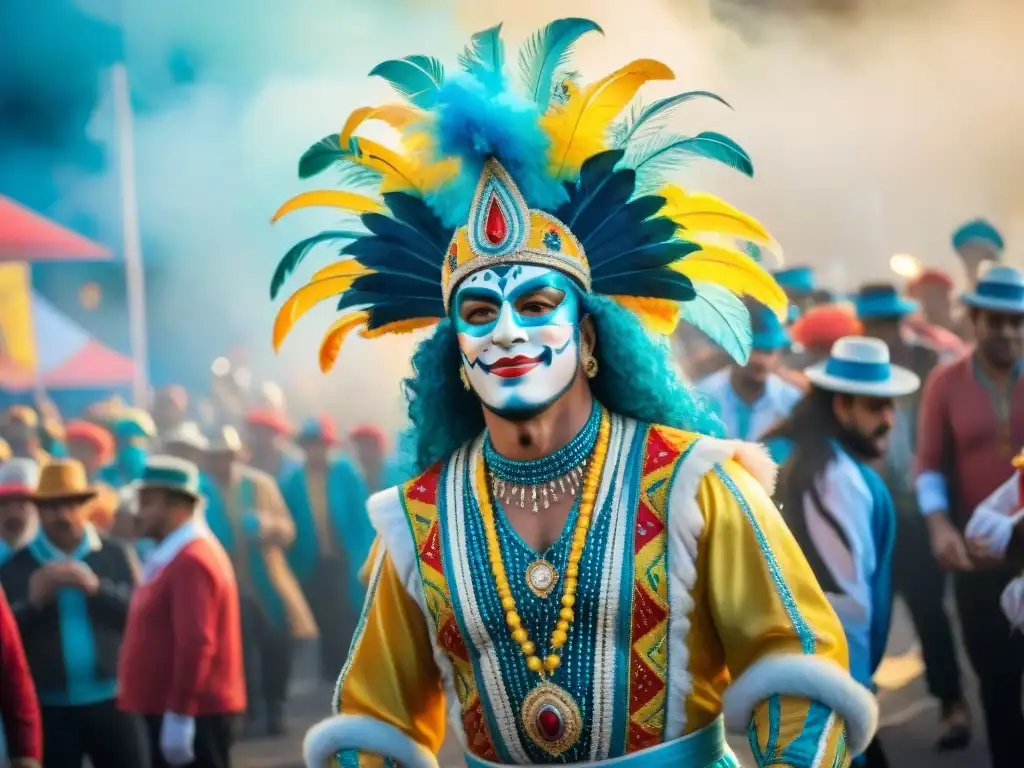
(291,260)
(418,78)
(649,256)
(472,124)
(625,220)
(723,318)
(484,58)
(661,153)
(659,110)
(396,231)
(547,51)
(414,211)
(398,286)
(627,238)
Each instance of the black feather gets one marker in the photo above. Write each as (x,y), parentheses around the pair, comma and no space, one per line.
(615,191)
(353,298)
(650,256)
(415,212)
(626,239)
(291,260)
(398,286)
(384,255)
(395,311)
(627,217)
(652,283)
(396,231)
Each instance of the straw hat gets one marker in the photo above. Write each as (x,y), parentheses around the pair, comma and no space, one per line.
(63,480)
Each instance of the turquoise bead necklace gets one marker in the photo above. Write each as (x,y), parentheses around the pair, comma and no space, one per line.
(545,480)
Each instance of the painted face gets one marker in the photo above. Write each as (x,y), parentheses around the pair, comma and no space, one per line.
(519,332)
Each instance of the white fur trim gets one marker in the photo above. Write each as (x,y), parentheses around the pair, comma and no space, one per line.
(364,734)
(387,514)
(685,526)
(807,677)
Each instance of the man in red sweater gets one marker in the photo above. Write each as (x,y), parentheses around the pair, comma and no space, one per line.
(19,710)
(181,661)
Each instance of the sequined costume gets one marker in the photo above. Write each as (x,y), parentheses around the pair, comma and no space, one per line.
(675,600)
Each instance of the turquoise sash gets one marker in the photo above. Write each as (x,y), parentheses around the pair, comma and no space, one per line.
(706,748)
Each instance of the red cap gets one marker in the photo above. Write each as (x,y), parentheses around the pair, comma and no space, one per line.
(79,431)
(368,432)
(931,277)
(273,420)
(821,327)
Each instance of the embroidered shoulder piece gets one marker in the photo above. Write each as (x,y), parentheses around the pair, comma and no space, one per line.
(420,501)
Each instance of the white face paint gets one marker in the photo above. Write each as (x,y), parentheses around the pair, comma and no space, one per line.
(518,329)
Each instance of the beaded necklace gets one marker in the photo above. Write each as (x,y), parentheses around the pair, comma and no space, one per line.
(548,478)
(550,715)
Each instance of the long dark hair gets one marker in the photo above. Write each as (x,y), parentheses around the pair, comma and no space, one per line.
(811,428)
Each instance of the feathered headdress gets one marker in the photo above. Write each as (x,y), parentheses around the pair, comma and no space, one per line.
(552,173)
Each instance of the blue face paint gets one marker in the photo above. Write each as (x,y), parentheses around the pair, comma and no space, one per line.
(520,352)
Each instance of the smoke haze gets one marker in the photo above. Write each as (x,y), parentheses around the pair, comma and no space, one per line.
(872,132)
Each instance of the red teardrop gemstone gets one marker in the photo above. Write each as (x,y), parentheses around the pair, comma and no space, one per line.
(496,228)
(550,724)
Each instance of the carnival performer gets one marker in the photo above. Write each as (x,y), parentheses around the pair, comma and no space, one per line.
(248,516)
(577,574)
(837,506)
(327,500)
(750,399)
(970,428)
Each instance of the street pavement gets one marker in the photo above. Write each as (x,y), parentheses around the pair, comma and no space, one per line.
(909,718)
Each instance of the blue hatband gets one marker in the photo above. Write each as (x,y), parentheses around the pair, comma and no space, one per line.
(855,370)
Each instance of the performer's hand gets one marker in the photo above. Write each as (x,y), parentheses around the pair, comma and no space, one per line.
(177,738)
(948,545)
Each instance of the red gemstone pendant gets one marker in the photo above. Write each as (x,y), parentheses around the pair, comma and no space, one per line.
(551,718)
(495,227)
(550,723)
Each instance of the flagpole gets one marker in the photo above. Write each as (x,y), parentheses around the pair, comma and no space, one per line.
(135,278)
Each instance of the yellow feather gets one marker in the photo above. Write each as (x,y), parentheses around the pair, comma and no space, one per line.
(735,272)
(578,128)
(343,268)
(659,315)
(332,341)
(701,212)
(304,299)
(330,198)
(399,326)
(398,171)
(398,116)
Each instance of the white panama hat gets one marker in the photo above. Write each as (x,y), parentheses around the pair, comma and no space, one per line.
(1000,289)
(187,433)
(858,365)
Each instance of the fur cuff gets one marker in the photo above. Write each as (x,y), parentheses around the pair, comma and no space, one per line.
(364,734)
(806,677)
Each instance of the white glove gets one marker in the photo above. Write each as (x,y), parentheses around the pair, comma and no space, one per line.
(1012,602)
(177,734)
(989,531)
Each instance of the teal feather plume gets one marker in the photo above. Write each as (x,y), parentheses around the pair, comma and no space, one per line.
(327,152)
(291,260)
(653,116)
(723,317)
(660,154)
(547,51)
(417,78)
(484,58)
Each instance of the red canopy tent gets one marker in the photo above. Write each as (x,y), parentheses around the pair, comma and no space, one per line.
(27,236)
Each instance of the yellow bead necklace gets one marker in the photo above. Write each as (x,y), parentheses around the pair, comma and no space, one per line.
(579,538)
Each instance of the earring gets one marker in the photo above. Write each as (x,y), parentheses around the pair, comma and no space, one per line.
(464,378)
(590,365)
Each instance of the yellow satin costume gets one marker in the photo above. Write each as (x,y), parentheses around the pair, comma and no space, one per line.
(746,630)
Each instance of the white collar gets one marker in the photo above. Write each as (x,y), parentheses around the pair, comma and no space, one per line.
(169,548)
